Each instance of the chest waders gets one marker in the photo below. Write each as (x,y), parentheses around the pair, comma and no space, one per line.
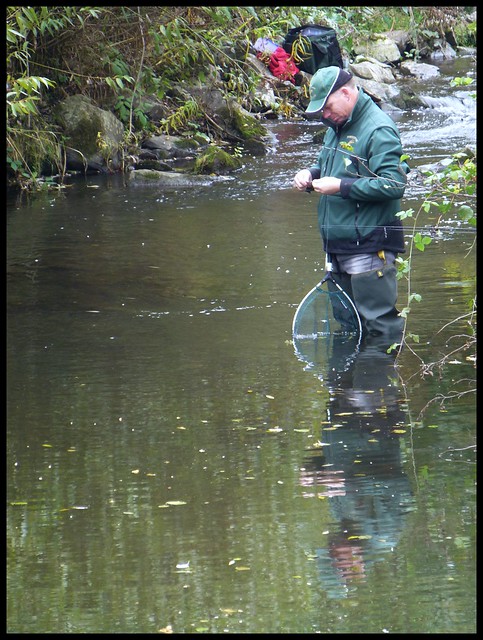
(375,294)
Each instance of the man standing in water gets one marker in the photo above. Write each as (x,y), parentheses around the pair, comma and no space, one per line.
(361,179)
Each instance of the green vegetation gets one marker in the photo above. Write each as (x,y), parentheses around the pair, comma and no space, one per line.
(452,192)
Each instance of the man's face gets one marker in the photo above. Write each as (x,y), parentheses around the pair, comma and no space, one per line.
(338,106)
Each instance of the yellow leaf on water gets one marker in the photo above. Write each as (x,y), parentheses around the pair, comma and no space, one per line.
(230,611)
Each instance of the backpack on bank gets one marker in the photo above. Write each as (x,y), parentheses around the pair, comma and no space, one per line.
(312,47)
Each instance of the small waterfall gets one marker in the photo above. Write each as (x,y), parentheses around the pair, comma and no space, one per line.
(449,104)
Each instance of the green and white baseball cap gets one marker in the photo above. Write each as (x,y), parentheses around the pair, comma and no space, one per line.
(324,82)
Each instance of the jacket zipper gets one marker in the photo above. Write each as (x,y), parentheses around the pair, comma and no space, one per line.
(330,159)
(356,223)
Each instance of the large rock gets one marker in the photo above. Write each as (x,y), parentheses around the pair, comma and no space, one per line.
(93,136)
(420,70)
(380,47)
(377,79)
(372,70)
(172,179)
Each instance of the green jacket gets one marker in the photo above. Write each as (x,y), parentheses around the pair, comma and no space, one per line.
(365,153)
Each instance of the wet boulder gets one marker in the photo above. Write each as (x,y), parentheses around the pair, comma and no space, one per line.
(93,136)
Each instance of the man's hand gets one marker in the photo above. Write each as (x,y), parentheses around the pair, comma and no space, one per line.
(302,180)
(327,186)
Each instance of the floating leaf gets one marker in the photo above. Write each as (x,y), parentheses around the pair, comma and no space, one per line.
(175,503)
(359,537)
(47,446)
(231,611)
(319,444)
(242,568)
(269,397)
(301,430)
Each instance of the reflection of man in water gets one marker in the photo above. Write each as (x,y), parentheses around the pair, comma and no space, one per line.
(358,465)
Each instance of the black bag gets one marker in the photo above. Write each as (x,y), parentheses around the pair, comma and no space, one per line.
(312,47)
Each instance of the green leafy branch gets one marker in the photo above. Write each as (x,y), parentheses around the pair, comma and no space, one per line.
(453,193)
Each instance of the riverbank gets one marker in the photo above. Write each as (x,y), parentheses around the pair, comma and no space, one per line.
(185,96)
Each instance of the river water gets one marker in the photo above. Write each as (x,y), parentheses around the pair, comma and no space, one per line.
(175,464)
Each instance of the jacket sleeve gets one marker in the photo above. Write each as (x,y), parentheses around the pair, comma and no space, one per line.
(381,176)
(315,171)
